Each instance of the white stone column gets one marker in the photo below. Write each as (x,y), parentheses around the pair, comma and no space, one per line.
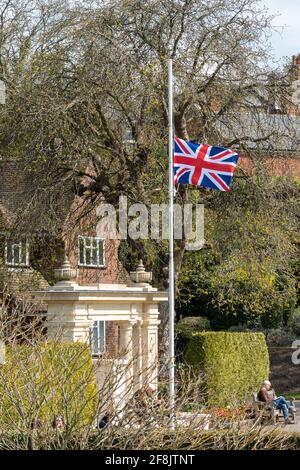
(150,345)
(126,355)
(125,340)
(137,356)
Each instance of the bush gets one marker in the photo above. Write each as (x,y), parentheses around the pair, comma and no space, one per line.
(183,439)
(235,364)
(279,337)
(238,329)
(189,325)
(185,328)
(295,322)
(45,381)
(236,291)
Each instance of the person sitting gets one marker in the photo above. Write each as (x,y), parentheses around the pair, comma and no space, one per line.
(267,394)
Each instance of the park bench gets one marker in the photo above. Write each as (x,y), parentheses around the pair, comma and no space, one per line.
(268,412)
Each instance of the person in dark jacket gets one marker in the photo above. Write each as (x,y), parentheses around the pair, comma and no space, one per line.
(267,394)
(104,422)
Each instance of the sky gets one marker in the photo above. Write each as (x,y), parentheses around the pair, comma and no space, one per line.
(286,42)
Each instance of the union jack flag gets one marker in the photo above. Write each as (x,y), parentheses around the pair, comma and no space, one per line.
(203,165)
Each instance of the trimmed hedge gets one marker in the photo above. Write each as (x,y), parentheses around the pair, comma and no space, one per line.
(235,364)
(47,380)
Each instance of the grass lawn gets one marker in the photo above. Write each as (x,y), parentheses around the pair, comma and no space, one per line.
(290,395)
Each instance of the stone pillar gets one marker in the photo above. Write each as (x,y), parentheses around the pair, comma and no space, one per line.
(125,340)
(61,321)
(68,321)
(137,356)
(150,345)
(126,353)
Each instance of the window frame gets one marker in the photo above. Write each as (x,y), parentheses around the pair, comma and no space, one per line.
(91,265)
(92,346)
(22,245)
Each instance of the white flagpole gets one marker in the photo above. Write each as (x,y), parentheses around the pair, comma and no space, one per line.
(171,247)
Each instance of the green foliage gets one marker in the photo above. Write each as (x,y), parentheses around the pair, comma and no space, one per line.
(247,275)
(45,381)
(295,322)
(279,337)
(251,294)
(235,364)
(184,330)
(236,291)
(46,253)
(188,325)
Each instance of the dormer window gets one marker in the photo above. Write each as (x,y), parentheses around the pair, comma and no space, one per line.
(16,253)
(91,252)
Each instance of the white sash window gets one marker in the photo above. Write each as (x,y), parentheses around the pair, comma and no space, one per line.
(16,253)
(91,252)
(98,337)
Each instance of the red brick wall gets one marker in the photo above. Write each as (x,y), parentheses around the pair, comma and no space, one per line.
(296,67)
(278,166)
(112,272)
(112,338)
(12,183)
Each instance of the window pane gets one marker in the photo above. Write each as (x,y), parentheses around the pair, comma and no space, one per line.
(94,257)
(91,251)
(101,254)
(101,336)
(16,254)
(23,253)
(87,256)
(81,251)
(94,339)
(98,337)
(9,253)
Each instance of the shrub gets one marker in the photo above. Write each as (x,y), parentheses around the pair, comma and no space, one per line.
(163,438)
(236,290)
(189,325)
(279,337)
(238,328)
(47,380)
(185,328)
(295,322)
(235,364)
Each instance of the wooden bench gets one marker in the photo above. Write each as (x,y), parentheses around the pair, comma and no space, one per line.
(269,412)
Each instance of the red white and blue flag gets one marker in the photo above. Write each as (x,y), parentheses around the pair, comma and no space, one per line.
(203,165)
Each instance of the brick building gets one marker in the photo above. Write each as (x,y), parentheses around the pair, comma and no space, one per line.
(94,255)
(21,268)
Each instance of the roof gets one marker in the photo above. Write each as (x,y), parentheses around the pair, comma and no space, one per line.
(259,131)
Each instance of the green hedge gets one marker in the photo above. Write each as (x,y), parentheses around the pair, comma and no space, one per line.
(235,364)
(47,380)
